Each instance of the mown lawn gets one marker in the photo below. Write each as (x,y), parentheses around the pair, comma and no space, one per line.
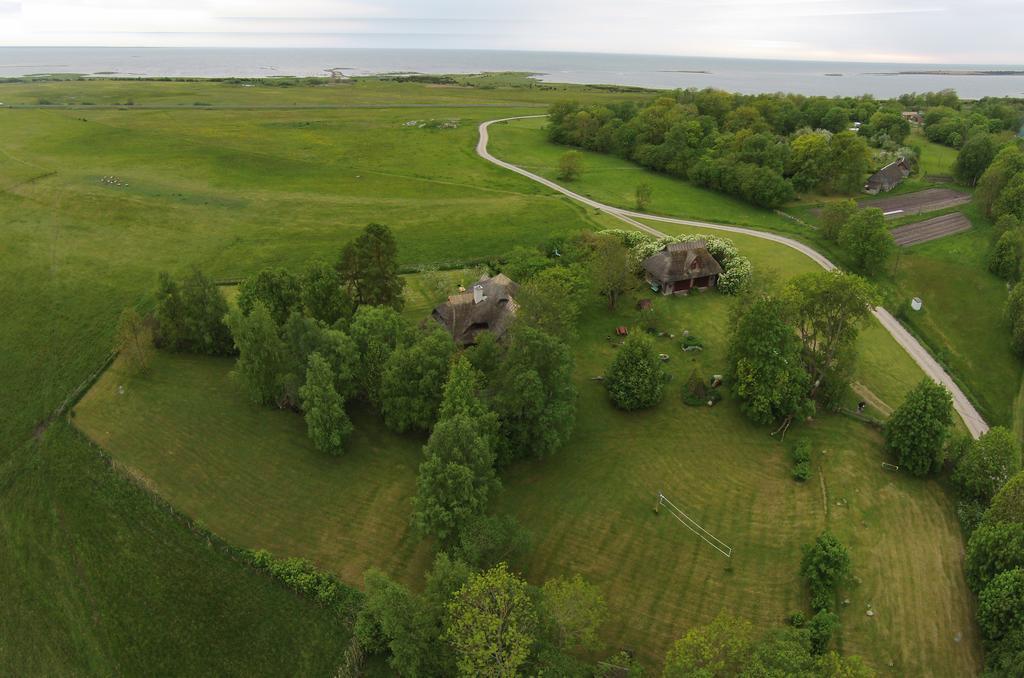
(97,578)
(590,506)
(591,509)
(250,473)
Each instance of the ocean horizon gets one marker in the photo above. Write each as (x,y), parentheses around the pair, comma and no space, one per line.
(748,76)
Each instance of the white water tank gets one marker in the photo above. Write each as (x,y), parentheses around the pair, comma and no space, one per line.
(916,303)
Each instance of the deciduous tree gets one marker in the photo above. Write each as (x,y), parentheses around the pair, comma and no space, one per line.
(134,340)
(369,268)
(612,269)
(642,196)
(765,364)
(987,464)
(456,478)
(917,429)
(550,301)
(278,290)
(835,215)
(867,240)
(491,624)
(190,316)
(828,308)
(261,353)
(326,420)
(825,564)
(377,331)
(1001,605)
(322,295)
(570,166)
(994,547)
(721,648)
(534,395)
(413,380)
(577,610)
(636,377)
(1008,504)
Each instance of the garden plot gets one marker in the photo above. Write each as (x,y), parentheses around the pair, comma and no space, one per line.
(930,229)
(929,200)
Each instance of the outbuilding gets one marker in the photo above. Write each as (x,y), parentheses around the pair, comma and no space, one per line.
(887,178)
(681,267)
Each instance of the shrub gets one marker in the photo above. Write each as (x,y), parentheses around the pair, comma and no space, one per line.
(570,166)
(800,454)
(695,391)
(302,576)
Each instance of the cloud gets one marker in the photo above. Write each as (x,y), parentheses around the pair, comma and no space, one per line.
(936,31)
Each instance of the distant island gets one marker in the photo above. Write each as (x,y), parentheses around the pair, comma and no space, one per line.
(833,75)
(685,71)
(944,72)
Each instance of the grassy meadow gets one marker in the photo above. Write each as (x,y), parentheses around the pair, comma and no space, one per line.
(95,565)
(259,176)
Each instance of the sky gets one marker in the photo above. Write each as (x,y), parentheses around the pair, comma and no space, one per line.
(922,31)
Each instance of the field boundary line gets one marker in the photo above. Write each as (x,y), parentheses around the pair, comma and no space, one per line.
(929,365)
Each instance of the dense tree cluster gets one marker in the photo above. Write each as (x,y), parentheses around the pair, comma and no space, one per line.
(190,315)
(728,647)
(990,483)
(474,623)
(762,148)
(953,123)
(791,349)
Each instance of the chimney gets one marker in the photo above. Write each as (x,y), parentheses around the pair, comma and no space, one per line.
(478,294)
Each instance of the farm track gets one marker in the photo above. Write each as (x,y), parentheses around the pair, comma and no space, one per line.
(971,417)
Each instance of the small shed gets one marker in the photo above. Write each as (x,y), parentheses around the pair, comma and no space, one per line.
(888,178)
(681,267)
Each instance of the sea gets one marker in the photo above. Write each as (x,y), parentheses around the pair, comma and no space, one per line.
(749,76)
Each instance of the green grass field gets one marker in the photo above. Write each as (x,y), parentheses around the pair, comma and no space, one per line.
(93,556)
(589,507)
(114,583)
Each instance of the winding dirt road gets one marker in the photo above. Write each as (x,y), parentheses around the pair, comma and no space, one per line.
(972,419)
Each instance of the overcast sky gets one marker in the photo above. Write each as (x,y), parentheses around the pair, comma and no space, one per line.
(936,31)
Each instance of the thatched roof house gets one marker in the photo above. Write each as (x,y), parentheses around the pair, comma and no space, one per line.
(490,306)
(681,267)
(888,177)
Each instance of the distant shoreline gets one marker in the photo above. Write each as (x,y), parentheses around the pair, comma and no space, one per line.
(948,73)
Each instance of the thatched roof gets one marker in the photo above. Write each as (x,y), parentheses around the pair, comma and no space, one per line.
(489,306)
(682,261)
